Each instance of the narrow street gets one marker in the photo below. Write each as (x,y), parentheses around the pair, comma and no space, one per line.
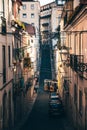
(39,118)
(43,68)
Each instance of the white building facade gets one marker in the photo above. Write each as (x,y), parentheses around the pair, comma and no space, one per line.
(30,13)
(50,15)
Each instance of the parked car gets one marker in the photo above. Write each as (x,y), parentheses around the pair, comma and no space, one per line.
(53,95)
(55,101)
(50,85)
(56,108)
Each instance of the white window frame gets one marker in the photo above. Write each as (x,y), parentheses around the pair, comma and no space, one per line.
(24,7)
(32,6)
(24,15)
(32,15)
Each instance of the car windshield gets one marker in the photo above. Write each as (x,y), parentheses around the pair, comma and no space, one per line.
(54,98)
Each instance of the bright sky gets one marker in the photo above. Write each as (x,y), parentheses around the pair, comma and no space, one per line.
(43,2)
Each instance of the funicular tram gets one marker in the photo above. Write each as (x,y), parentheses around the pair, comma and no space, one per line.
(50,85)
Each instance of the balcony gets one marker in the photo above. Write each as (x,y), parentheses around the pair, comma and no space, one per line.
(78,65)
(45,24)
(76,61)
(18,53)
(82,70)
(82,67)
(45,16)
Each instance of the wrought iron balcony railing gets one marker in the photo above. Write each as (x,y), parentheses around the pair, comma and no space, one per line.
(72,61)
(78,65)
(18,53)
(76,61)
(82,67)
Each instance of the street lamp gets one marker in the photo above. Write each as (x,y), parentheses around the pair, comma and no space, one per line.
(64,54)
(13,66)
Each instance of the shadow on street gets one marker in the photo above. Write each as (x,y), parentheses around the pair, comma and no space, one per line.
(39,118)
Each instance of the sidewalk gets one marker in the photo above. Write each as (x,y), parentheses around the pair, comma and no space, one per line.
(28,103)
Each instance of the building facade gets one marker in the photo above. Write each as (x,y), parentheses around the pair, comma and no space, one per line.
(30,13)
(73,68)
(49,29)
(7,41)
(45,23)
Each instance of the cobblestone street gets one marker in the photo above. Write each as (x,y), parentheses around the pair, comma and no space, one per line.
(38,118)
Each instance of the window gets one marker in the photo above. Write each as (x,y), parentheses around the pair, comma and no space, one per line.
(8,6)
(81,44)
(32,24)
(3,25)
(3,8)
(9,61)
(24,15)
(60,2)
(32,6)
(32,15)
(27,54)
(28,42)
(59,17)
(75,94)
(31,40)
(24,7)
(80,102)
(4,63)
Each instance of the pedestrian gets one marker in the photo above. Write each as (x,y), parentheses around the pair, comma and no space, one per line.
(36,87)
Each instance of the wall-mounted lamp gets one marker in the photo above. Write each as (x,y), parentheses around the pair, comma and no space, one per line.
(13,67)
(64,54)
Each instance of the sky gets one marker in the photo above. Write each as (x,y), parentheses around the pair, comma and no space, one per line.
(43,2)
